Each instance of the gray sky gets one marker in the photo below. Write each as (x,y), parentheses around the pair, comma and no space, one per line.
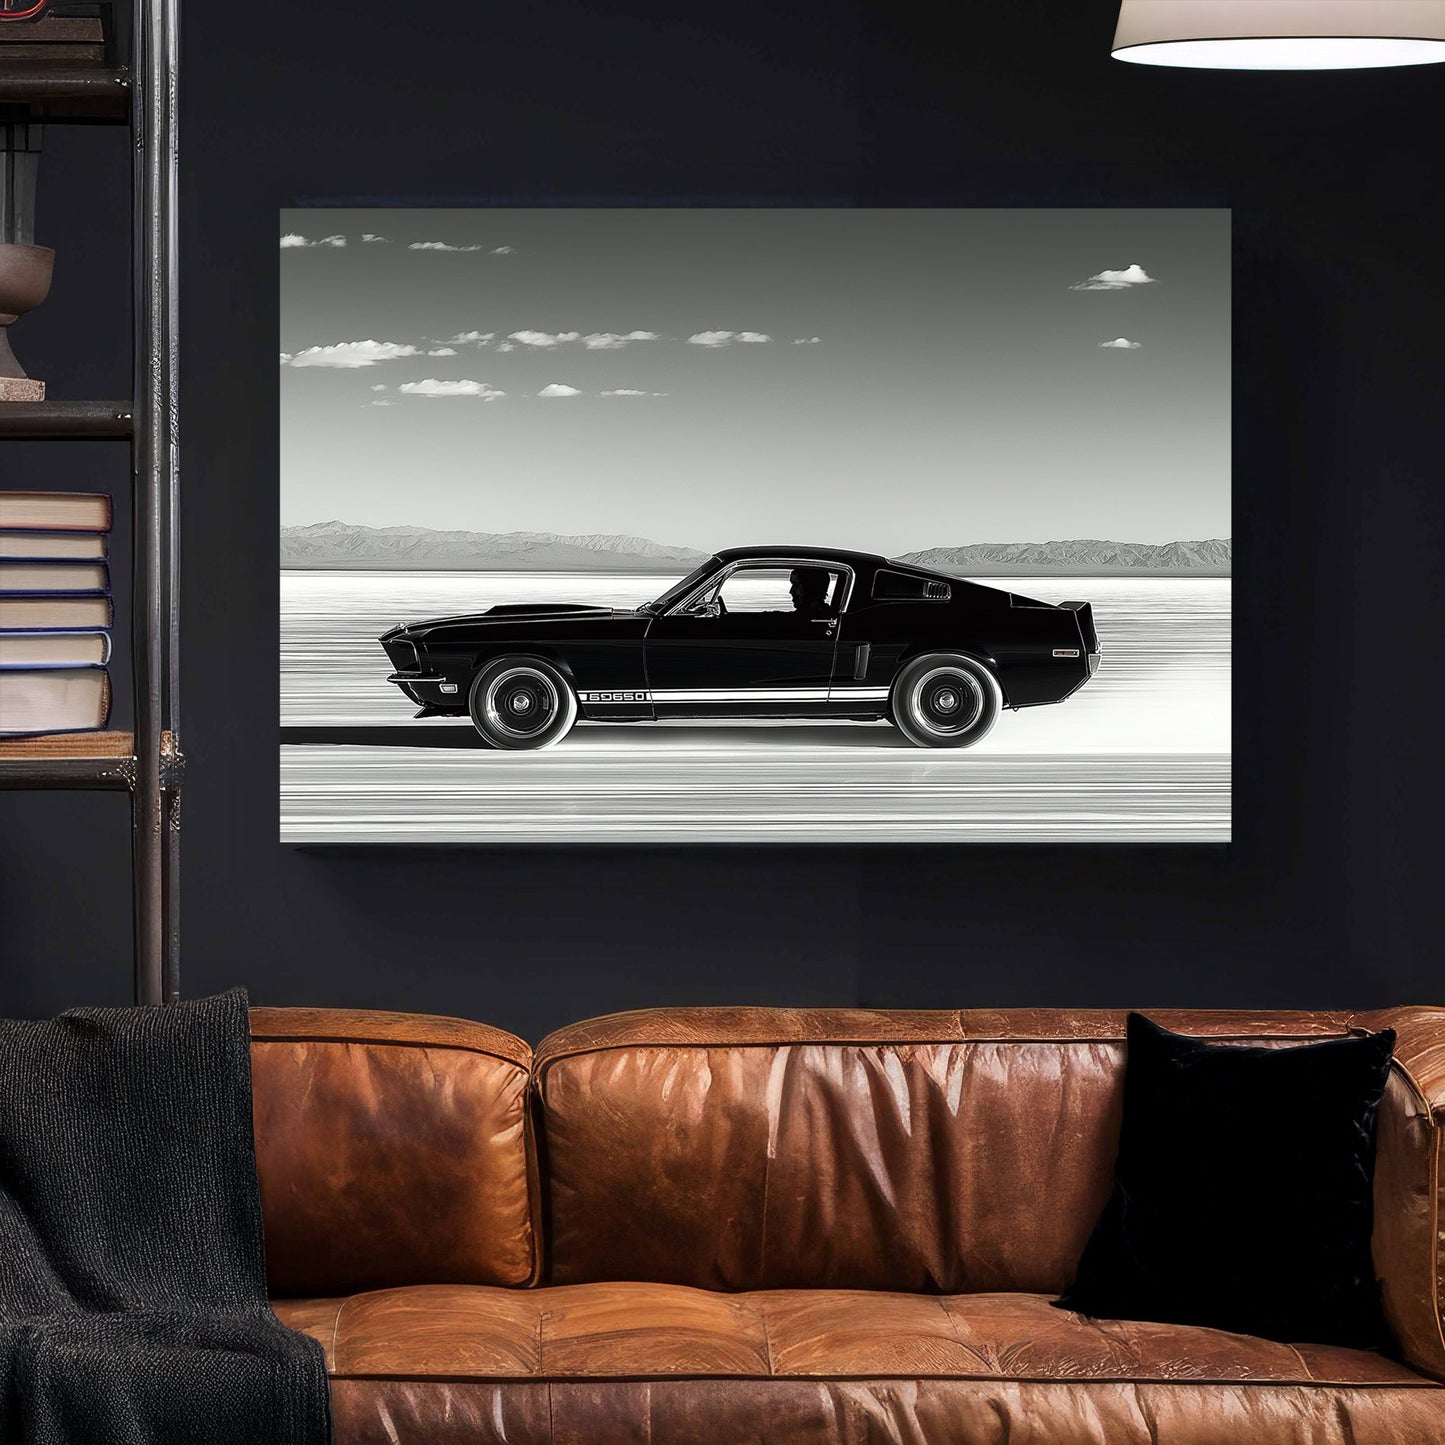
(959,389)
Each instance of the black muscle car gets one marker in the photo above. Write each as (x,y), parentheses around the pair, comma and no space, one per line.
(756,632)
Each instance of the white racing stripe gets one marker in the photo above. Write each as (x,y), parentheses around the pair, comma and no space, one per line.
(737,694)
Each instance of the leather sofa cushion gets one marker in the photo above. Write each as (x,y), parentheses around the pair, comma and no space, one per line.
(392,1149)
(626,1330)
(602,1364)
(889,1150)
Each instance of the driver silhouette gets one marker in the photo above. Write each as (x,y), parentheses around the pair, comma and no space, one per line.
(809,589)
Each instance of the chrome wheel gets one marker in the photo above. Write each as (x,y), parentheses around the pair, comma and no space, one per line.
(522,703)
(945,700)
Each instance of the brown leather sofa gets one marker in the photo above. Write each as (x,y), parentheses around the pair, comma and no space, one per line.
(749,1225)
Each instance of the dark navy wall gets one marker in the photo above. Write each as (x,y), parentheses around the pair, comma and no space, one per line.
(1329,895)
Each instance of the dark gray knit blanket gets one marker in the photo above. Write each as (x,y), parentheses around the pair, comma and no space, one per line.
(132,1266)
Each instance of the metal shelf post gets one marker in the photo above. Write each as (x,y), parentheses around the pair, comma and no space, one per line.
(155,816)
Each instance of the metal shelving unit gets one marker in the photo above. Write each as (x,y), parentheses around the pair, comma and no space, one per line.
(147,762)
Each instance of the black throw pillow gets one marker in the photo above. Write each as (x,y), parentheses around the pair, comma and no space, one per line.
(1243,1191)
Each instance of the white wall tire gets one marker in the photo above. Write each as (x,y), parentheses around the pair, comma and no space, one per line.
(521,704)
(945,700)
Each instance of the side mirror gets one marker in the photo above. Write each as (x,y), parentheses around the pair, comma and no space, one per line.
(704,609)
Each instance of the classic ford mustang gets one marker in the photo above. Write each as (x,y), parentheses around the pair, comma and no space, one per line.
(756,632)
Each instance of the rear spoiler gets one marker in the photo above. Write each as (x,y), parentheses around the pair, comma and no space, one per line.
(1084,615)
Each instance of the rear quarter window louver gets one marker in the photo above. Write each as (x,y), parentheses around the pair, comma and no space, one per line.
(890,586)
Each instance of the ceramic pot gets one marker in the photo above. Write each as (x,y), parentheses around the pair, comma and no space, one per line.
(24,284)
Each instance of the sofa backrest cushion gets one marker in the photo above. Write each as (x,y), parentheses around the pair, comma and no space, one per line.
(791,1148)
(392,1149)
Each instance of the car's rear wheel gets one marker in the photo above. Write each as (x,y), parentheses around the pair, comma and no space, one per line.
(945,700)
(521,703)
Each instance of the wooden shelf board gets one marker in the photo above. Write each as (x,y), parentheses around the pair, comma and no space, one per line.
(52,746)
(103,760)
(56,93)
(65,418)
(78,760)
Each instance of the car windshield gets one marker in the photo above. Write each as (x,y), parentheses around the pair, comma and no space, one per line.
(680,589)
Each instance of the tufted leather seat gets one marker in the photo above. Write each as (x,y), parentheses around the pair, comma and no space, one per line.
(774,1225)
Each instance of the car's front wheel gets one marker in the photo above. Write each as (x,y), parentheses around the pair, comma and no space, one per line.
(521,702)
(945,700)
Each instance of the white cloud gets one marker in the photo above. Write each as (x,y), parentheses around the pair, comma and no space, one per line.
(806,340)
(439,246)
(593,341)
(442,351)
(1120,343)
(432,387)
(292,241)
(349,354)
(380,386)
(545,338)
(505,346)
(726,338)
(503,250)
(1132,275)
(632,391)
(471,338)
(559,388)
(613,341)
(371,236)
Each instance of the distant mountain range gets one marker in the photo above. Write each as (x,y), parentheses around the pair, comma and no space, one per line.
(339,545)
(1213,558)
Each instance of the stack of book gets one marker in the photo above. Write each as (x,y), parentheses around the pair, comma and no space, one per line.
(55,612)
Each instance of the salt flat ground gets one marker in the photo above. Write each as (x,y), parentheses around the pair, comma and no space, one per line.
(1142,753)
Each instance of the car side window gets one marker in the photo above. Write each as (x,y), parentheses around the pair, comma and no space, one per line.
(794,590)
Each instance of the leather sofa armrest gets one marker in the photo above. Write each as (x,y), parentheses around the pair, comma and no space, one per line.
(1419,1049)
(392,1149)
(1409,1187)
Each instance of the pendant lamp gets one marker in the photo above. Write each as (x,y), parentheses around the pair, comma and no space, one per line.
(1281,34)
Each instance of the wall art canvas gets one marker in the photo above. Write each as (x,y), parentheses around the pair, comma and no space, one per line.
(755,525)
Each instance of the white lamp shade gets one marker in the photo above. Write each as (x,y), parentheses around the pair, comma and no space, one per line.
(1281,34)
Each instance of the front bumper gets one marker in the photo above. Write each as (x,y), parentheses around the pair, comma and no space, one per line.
(429,690)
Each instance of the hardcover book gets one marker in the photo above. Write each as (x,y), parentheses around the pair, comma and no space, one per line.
(55,512)
(52,546)
(65,578)
(54,649)
(54,612)
(54,700)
